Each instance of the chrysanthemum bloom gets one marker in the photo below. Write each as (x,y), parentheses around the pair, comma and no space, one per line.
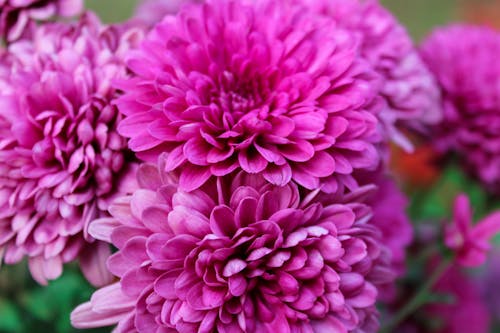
(466,312)
(153,11)
(463,312)
(470,242)
(241,257)
(410,91)
(471,92)
(16,16)
(61,158)
(225,85)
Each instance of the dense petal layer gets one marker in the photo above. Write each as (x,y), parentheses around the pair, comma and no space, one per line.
(242,255)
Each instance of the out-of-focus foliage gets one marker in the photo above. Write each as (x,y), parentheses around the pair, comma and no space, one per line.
(27,307)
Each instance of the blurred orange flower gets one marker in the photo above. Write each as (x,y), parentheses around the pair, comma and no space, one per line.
(419,168)
(481,12)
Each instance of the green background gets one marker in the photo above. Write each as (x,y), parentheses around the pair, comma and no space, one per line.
(418,15)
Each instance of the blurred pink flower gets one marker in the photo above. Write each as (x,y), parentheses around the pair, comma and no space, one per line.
(61,159)
(487,281)
(466,312)
(242,256)
(226,86)
(470,242)
(151,12)
(410,91)
(17,15)
(470,84)
(389,206)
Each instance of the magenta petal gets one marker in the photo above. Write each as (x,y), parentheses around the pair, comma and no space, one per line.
(204,298)
(233,267)
(222,221)
(321,165)
(174,159)
(278,175)
(93,264)
(300,151)
(252,161)
(102,229)
(192,177)
(237,285)
(366,297)
(111,299)
(196,151)
(83,317)
(164,285)
(329,324)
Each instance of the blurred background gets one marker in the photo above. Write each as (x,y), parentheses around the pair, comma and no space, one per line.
(420,16)
(26,307)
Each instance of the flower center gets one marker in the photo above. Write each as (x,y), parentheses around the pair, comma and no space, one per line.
(240,97)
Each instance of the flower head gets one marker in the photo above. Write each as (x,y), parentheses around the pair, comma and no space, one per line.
(61,157)
(244,256)
(226,86)
(471,96)
(410,91)
(467,312)
(470,242)
(16,16)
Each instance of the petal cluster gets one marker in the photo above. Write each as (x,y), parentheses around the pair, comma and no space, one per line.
(61,157)
(17,16)
(238,255)
(219,88)
(410,92)
(471,93)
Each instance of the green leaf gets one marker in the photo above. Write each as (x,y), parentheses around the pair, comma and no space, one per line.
(11,319)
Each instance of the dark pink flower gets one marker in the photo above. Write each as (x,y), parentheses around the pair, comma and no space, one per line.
(226,86)
(61,158)
(466,312)
(470,84)
(17,15)
(470,242)
(410,91)
(153,11)
(244,256)
(389,206)
(487,281)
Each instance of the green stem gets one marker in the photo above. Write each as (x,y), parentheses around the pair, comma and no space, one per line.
(419,299)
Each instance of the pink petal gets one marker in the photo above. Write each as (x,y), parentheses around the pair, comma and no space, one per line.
(278,175)
(192,177)
(93,264)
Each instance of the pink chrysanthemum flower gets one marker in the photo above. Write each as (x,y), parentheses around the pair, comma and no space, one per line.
(16,16)
(61,158)
(470,242)
(467,312)
(409,89)
(225,85)
(470,84)
(151,12)
(241,257)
